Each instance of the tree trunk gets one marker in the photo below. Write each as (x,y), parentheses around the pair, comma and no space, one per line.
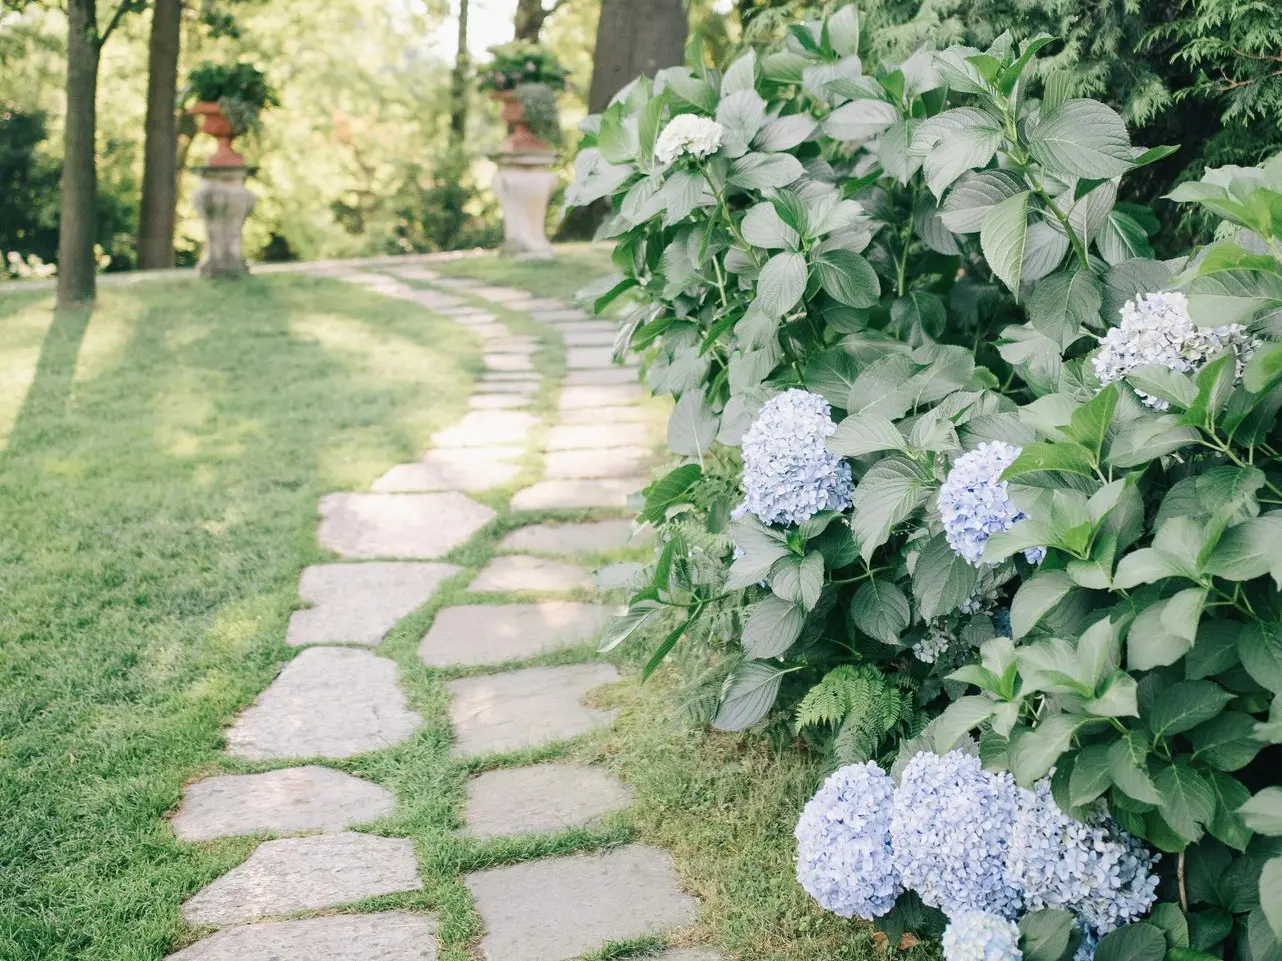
(160,153)
(530,15)
(632,39)
(458,83)
(77,226)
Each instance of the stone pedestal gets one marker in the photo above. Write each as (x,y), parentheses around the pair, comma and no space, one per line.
(524,185)
(223,202)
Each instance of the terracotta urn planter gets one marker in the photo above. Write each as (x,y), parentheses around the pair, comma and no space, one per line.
(216,124)
(520,138)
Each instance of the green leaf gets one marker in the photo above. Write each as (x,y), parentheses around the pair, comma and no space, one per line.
(799,580)
(860,120)
(781,284)
(693,426)
(1260,648)
(1035,752)
(1128,767)
(969,148)
(773,626)
(627,624)
(1122,238)
(758,171)
(918,317)
(1048,456)
(1227,825)
(1089,423)
(1164,632)
(1263,813)
(1035,598)
(1145,439)
(763,227)
(1003,237)
(942,579)
(832,374)
(886,495)
(665,648)
(1047,935)
(692,90)
(1117,697)
(668,490)
(741,115)
(1187,800)
(1185,705)
(1082,138)
(1063,304)
(1226,742)
(740,75)
(785,133)
(761,548)
(1147,565)
(865,433)
(959,718)
(749,693)
(880,609)
(1092,774)
(1271,894)
(1133,942)
(974,195)
(848,278)
(1174,926)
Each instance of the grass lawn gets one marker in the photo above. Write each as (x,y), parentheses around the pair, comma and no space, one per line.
(160,464)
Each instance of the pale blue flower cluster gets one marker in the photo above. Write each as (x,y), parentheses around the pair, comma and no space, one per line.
(951,831)
(933,645)
(1097,871)
(843,844)
(974,503)
(788,474)
(976,936)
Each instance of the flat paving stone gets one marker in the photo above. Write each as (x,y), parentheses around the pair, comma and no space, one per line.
(559,315)
(432,299)
(519,388)
(490,376)
(478,475)
(359,603)
(607,462)
(502,401)
(589,397)
(457,283)
(310,798)
(513,574)
(468,312)
(417,526)
(579,358)
(602,377)
(494,633)
(606,415)
(387,936)
(304,874)
(327,702)
(541,798)
(487,429)
(528,708)
(604,492)
(547,303)
(559,908)
(499,295)
(589,537)
(595,436)
(508,362)
(413,272)
(588,338)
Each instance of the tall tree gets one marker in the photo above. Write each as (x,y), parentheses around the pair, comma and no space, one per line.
(77,281)
(458,83)
(631,39)
(530,16)
(160,150)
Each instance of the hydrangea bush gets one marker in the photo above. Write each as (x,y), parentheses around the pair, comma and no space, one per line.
(1047,514)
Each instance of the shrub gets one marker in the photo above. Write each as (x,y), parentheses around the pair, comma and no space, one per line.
(521,62)
(240,89)
(939,256)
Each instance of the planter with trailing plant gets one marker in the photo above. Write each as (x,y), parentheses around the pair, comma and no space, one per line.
(526,79)
(229,99)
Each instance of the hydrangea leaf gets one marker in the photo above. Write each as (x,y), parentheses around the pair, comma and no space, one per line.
(1047,935)
(881,610)
(847,277)
(749,693)
(1263,813)
(886,495)
(773,626)
(1134,942)
(860,120)
(973,196)
(758,171)
(1227,741)
(1187,799)
(942,579)
(1260,648)
(1082,138)
(1003,237)
(865,433)
(1035,598)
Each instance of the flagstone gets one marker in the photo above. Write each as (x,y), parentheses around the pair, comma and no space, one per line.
(311,798)
(540,799)
(562,315)
(499,295)
(588,338)
(486,428)
(326,702)
(607,462)
(588,537)
(605,492)
(432,299)
(478,476)
(468,313)
(415,526)
(305,874)
(458,283)
(494,633)
(508,362)
(546,303)
(526,708)
(414,272)
(606,415)
(386,936)
(491,401)
(595,436)
(587,358)
(559,908)
(602,377)
(527,387)
(359,603)
(504,575)
(592,397)
(586,327)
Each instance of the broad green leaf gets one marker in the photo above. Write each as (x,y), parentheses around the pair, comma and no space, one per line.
(741,115)
(960,718)
(860,120)
(843,31)
(832,374)
(1226,824)
(973,196)
(693,426)
(1260,648)
(1145,439)
(918,317)
(1271,894)
(1147,565)
(785,133)
(1185,705)
(1187,800)
(1132,942)
(1164,632)
(865,433)
(942,579)
(1003,236)
(1091,775)
(969,148)
(1090,422)
(1170,919)
(740,75)
(1122,238)
(781,284)
(748,695)
(773,626)
(1128,767)
(1263,813)
(1116,697)
(628,623)
(1226,742)
(1082,138)
(759,170)
(763,227)
(880,609)
(886,495)
(847,277)
(1047,935)
(1069,457)
(692,90)
(668,490)
(1035,598)
(1034,753)
(1063,304)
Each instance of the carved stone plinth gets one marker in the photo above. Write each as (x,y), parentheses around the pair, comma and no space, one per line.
(524,185)
(223,202)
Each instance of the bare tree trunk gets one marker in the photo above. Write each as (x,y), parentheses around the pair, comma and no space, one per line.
(458,83)
(632,39)
(160,153)
(77,226)
(530,16)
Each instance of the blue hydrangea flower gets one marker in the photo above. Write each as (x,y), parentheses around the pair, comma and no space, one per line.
(1001,622)
(843,844)
(976,936)
(974,504)
(933,645)
(951,829)
(1097,871)
(788,474)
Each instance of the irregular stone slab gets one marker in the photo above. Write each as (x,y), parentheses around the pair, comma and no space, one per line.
(359,603)
(606,415)
(588,338)
(508,362)
(528,387)
(488,401)
(560,908)
(467,313)
(546,303)
(494,633)
(432,299)
(310,798)
(581,358)
(422,526)
(490,376)
(591,537)
(504,575)
(388,936)
(529,708)
(610,462)
(327,702)
(486,429)
(303,874)
(515,345)
(479,476)
(457,283)
(412,272)
(542,798)
(606,492)
(588,398)
(559,316)
(587,327)
(499,295)
(602,377)
(595,436)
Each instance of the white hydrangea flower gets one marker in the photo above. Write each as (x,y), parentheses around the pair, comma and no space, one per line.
(974,504)
(933,646)
(976,936)
(1157,329)
(689,134)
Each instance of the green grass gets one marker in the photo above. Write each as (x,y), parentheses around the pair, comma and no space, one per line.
(159,485)
(575,266)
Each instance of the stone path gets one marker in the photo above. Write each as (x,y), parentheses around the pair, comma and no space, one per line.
(333,701)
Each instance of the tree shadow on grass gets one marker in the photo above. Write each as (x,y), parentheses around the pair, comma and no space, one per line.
(50,390)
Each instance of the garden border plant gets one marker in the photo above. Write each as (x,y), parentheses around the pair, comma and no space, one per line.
(948,428)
